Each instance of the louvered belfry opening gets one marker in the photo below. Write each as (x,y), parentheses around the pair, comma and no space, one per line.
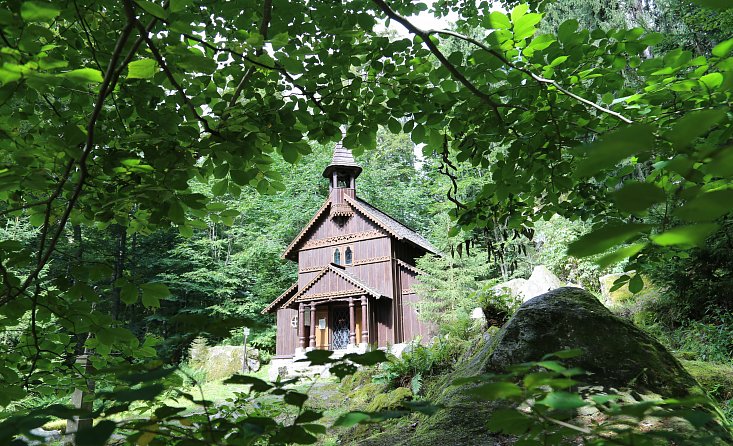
(342,174)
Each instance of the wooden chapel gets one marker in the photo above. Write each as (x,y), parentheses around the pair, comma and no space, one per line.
(356,268)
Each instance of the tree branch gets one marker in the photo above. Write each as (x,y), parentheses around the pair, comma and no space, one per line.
(425,36)
(107,83)
(264,26)
(173,81)
(539,79)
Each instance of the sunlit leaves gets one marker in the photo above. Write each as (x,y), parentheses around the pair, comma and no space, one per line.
(685,236)
(37,11)
(152,8)
(707,206)
(83,75)
(142,69)
(602,239)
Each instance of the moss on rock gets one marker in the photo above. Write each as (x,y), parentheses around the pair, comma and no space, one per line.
(391,400)
(716,379)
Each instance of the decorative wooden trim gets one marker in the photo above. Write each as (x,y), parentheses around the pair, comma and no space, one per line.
(340,239)
(372,260)
(341,210)
(341,273)
(409,267)
(311,269)
(351,292)
(408,291)
(307,227)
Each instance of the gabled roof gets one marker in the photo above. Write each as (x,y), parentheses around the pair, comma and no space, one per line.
(340,272)
(306,228)
(390,224)
(289,292)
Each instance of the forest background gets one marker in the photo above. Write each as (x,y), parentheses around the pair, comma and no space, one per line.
(175,231)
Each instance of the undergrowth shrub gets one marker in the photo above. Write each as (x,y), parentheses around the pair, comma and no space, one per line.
(708,340)
(419,362)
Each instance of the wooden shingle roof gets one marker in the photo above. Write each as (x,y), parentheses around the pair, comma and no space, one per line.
(391,225)
(342,158)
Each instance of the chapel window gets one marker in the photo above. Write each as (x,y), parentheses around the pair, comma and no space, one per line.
(337,257)
(348,255)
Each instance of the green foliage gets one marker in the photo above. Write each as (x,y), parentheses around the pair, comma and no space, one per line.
(141,141)
(420,362)
(449,288)
(544,398)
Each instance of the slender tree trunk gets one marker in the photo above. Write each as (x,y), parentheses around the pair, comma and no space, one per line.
(119,267)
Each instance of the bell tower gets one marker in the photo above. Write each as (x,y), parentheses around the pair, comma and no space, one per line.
(341,174)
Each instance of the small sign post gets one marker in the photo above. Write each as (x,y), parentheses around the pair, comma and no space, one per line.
(245,366)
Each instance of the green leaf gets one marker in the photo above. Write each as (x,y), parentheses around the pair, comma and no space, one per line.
(39,11)
(128,293)
(633,139)
(83,75)
(567,30)
(176,212)
(605,238)
(257,384)
(693,125)
(637,197)
(723,48)
(707,206)
(497,391)
(620,255)
(352,419)
(558,60)
(370,358)
(685,236)
(153,8)
(318,357)
(509,421)
(498,20)
(142,69)
(525,26)
(636,284)
(96,435)
(295,398)
(152,293)
(562,401)
(220,188)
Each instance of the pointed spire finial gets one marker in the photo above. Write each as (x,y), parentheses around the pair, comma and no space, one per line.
(342,160)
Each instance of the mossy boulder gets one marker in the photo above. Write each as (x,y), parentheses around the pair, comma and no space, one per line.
(616,353)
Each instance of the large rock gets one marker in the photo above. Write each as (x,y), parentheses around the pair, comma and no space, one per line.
(222,361)
(614,351)
(617,354)
(541,281)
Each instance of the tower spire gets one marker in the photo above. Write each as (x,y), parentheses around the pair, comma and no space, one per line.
(342,161)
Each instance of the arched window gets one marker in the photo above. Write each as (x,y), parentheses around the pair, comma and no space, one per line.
(337,257)
(348,255)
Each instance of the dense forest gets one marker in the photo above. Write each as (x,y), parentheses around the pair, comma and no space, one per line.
(159,156)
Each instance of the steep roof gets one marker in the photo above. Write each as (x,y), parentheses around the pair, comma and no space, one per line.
(342,158)
(391,225)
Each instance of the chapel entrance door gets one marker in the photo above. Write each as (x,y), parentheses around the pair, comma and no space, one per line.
(340,328)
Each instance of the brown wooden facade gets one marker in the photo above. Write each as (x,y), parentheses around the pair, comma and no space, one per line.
(355,274)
